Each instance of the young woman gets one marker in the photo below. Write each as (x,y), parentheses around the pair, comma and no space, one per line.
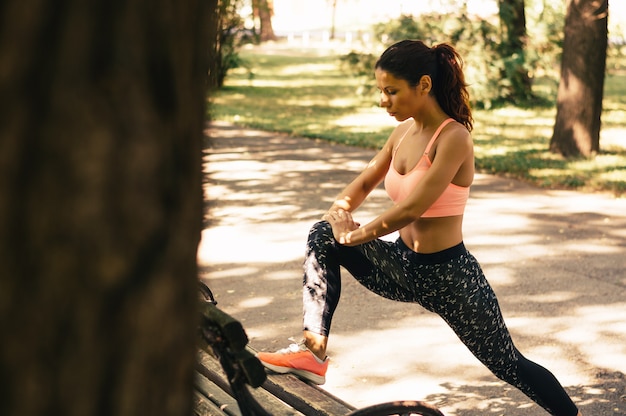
(427,165)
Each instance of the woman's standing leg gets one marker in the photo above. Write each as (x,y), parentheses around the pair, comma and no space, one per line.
(381,271)
(469,305)
(378,265)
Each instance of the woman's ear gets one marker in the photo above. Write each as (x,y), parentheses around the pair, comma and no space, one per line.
(425,84)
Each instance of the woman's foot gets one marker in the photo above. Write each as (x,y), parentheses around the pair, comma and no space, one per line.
(296,359)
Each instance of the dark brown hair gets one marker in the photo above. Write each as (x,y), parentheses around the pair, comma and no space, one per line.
(412,59)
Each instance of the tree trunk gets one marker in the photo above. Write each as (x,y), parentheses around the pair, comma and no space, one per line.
(214,51)
(579,98)
(513,49)
(100,205)
(264,9)
(332,25)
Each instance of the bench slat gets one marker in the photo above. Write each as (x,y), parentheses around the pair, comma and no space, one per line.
(210,369)
(219,401)
(307,398)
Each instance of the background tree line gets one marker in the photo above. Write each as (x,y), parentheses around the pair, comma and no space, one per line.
(567,45)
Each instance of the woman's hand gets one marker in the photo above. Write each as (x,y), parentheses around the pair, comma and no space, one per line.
(342,223)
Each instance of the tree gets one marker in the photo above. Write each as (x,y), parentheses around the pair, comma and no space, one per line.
(513,49)
(263,10)
(100,205)
(225,40)
(334,15)
(579,98)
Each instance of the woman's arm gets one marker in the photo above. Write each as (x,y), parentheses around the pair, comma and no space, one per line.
(353,195)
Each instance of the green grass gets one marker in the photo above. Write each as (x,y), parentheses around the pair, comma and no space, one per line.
(301,95)
(312,96)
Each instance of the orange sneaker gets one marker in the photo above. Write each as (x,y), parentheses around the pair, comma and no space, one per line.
(296,359)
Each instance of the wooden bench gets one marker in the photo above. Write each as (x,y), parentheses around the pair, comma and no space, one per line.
(230,380)
(222,336)
(280,394)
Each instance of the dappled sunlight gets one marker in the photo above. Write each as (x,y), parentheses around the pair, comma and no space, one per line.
(545,172)
(276,83)
(282,274)
(604,329)
(421,362)
(225,274)
(240,244)
(554,297)
(430,361)
(517,141)
(366,119)
(527,209)
(511,221)
(606,248)
(501,275)
(271,332)
(495,118)
(305,102)
(517,113)
(597,331)
(558,359)
(308,68)
(612,137)
(255,302)
(615,176)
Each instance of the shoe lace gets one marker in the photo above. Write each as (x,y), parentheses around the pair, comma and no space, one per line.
(296,346)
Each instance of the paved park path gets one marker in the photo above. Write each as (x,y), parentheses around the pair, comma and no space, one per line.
(556,259)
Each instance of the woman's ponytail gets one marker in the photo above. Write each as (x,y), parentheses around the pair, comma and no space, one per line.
(449,85)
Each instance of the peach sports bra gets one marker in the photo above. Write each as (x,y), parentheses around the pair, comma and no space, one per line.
(451,202)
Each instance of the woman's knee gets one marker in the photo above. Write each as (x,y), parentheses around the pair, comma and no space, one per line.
(322,225)
(321,230)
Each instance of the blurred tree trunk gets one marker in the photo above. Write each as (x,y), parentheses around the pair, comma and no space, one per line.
(100,205)
(214,36)
(583,65)
(332,25)
(513,49)
(264,10)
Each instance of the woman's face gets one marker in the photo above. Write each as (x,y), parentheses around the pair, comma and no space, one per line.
(397,96)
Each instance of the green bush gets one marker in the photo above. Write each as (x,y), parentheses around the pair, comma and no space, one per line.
(475,40)
(478,40)
(232,35)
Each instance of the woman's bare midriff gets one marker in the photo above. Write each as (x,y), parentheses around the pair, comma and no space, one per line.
(430,235)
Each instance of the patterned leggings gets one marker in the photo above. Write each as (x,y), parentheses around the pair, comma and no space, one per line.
(449,283)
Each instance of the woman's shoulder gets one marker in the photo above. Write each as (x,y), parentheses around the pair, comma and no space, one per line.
(456,129)
(454,134)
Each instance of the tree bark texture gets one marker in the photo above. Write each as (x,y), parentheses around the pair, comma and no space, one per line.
(264,10)
(579,98)
(100,204)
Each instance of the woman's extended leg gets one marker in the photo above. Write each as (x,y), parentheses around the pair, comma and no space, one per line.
(469,305)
